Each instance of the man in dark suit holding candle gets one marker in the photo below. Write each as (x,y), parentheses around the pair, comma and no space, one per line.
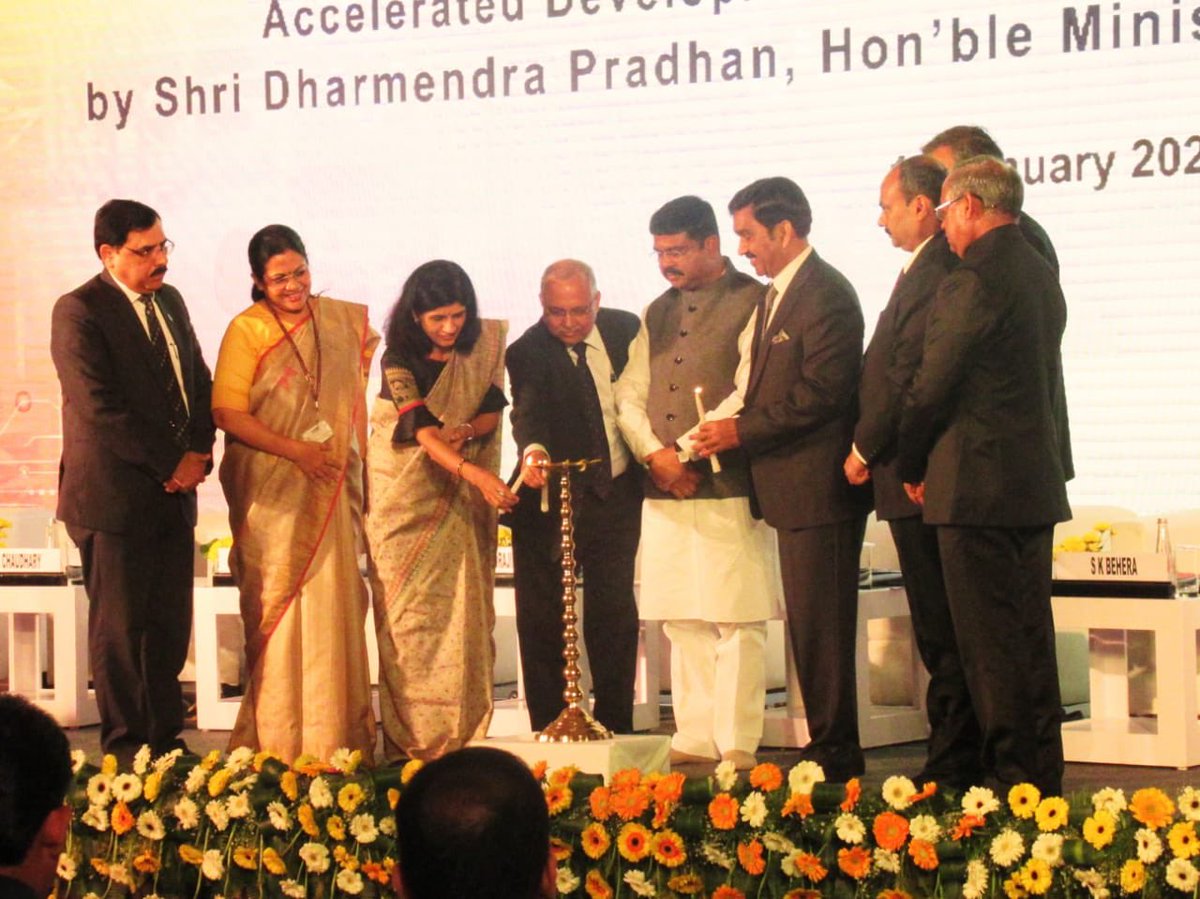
(137,440)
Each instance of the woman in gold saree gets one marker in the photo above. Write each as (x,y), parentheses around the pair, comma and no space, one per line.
(432,463)
(289,392)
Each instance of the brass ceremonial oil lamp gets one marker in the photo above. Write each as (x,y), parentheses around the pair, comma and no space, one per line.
(574,724)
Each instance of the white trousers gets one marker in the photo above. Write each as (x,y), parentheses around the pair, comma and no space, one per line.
(718,685)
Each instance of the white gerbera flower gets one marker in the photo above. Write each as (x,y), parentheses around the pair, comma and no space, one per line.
(293,889)
(281,819)
(195,779)
(726,776)
(349,882)
(1007,848)
(850,828)
(1189,803)
(319,793)
(1110,799)
(126,788)
(244,783)
(1149,846)
(636,881)
(1182,874)
(345,760)
(387,826)
(777,842)
(980,802)
(238,805)
(898,792)
(715,855)
(215,810)
(213,866)
(239,758)
(976,880)
(141,760)
(78,760)
(67,869)
(165,763)
(754,809)
(1094,881)
(150,825)
(96,817)
(315,858)
(1048,848)
(925,827)
(804,776)
(565,881)
(99,790)
(187,813)
(886,860)
(363,829)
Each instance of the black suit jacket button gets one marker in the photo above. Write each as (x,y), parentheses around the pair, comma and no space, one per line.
(692,308)
(670,416)
(679,360)
(683,333)
(673,387)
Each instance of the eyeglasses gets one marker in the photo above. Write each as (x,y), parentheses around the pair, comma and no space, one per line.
(146,252)
(940,211)
(283,280)
(674,253)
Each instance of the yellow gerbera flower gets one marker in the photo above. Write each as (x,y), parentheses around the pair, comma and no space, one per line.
(336,828)
(558,799)
(686,884)
(190,854)
(633,842)
(152,786)
(668,848)
(218,782)
(409,770)
(1099,829)
(246,857)
(595,840)
(1023,800)
(273,863)
(1133,876)
(1036,876)
(350,797)
(1051,813)
(290,785)
(308,820)
(1181,838)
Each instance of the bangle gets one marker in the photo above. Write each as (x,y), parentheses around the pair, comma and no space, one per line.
(467,424)
(462,460)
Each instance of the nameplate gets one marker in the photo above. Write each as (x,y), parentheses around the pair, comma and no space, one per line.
(14,560)
(1112,567)
(504,560)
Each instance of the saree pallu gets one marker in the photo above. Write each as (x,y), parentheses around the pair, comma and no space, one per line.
(295,549)
(433,551)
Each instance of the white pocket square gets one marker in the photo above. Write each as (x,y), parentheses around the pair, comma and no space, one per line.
(781,337)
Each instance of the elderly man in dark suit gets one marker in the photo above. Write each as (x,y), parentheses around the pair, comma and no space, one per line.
(799,413)
(137,440)
(979,449)
(562,370)
(907,198)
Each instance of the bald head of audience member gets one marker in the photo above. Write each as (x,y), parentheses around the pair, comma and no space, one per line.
(35,771)
(474,824)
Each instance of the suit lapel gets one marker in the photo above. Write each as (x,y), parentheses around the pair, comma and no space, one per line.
(784,307)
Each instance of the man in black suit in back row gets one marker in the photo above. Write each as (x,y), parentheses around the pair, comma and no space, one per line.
(980,452)
(137,440)
(561,371)
(907,198)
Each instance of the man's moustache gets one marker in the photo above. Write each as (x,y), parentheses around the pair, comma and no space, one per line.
(673,271)
(161,270)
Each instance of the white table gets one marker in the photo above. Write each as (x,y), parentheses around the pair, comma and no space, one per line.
(1169,735)
(32,612)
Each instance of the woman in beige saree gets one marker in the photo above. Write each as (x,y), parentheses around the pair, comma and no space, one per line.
(292,375)
(432,463)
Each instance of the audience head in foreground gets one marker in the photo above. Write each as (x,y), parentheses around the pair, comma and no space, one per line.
(474,823)
(35,771)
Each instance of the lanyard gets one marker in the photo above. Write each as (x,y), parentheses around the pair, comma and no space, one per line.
(314,384)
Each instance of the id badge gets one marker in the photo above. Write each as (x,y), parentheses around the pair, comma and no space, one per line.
(318,433)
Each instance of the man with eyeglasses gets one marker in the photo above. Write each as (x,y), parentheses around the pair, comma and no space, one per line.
(137,440)
(979,451)
(709,570)
(561,371)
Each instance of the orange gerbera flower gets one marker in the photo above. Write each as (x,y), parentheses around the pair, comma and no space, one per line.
(596,886)
(626,779)
(600,803)
(630,803)
(853,793)
(558,799)
(890,830)
(750,856)
(668,848)
(798,804)
(966,826)
(802,894)
(308,820)
(923,854)
(122,819)
(728,892)
(146,862)
(723,811)
(376,872)
(810,866)
(539,769)
(766,776)
(669,788)
(893,894)
(595,840)
(246,857)
(560,849)
(633,842)
(855,862)
(190,854)
(560,777)
(1152,807)
(686,884)
(927,789)
(273,863)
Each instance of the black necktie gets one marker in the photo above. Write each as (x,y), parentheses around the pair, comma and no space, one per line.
(602,480)
(178,419)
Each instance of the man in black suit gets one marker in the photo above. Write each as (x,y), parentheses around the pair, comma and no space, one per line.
(907,198)
(137,440)
(979,451)
(561,371)
(796,423)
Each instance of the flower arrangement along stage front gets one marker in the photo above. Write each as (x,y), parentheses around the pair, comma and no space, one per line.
(248,825)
